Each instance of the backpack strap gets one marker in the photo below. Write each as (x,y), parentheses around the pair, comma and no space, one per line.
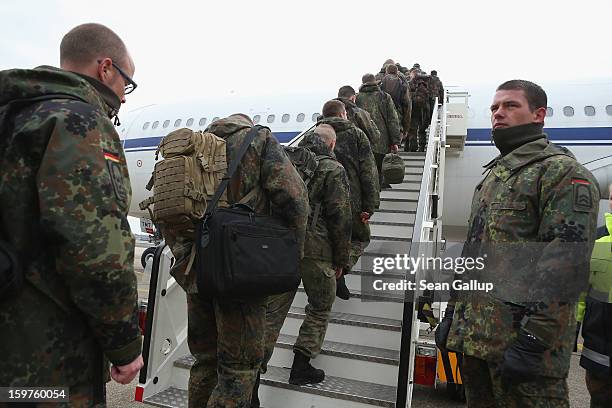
(248,139)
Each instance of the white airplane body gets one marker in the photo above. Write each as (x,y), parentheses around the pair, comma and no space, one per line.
(587,133)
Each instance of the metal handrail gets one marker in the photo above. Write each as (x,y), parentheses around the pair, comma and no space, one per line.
(423,227)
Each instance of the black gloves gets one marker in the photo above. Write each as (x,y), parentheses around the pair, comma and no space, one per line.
(444,327)
(522,360)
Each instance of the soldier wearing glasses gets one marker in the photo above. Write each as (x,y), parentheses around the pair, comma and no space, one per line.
(64,194)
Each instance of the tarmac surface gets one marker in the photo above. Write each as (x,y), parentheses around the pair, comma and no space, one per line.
(423,397)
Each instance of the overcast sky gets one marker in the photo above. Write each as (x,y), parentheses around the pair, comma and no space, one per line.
(189,50)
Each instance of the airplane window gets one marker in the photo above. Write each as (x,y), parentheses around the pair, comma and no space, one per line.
(155,124)
(270,118)
(256,119)
(315,116)
(177,123)
(549,111)
(589,110)
(300,117)
(145,126)
(568,111)
(609,110)
(166,124)
(202,121)
(285,118)
(189,122)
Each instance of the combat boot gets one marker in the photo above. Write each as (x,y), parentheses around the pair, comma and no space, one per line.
(303,373)
(255,395)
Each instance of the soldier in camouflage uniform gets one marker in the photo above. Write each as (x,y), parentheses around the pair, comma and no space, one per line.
(397,87)
(326,254)
(359,117)
(226,336)
(65,194)
(421,117)
(353,151)
(436,88)
(382,110)
(517,352)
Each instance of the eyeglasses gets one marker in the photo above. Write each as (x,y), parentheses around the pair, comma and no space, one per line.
(130,85)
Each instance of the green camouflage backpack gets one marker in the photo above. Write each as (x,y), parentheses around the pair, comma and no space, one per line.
(304,161)
(191,170)
(421,89)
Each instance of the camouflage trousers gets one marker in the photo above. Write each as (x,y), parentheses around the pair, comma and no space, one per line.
(483,389)
(226,338)
(418,125)
(319,282)
(378,158)
(600,388)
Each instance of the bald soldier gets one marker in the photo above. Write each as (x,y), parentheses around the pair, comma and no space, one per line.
(326,254)
(65,194)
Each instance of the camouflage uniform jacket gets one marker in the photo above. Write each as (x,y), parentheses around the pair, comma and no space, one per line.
(529,195)
(390,84)
(265,166)
(65,196)
(362,119)
(436,88)
(328,235)
(382,109)
(353,151)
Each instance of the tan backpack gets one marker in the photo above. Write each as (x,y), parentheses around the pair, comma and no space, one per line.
(191,170)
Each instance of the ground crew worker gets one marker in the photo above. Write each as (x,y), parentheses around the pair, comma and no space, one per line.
(326,254)
(382,110)
(420,117)
(226,336)
(517,347)
(595,312)
(65,193)
(397,87)
(353,151)
(359,117)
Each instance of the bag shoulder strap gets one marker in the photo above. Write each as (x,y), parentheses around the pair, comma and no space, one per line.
(232,168)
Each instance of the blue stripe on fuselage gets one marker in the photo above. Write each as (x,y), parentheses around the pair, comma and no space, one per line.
(577,136)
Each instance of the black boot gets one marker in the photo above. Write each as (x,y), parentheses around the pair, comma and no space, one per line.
(341,290)
(255,395)
(303,373)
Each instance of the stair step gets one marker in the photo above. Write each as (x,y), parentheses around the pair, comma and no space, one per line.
(391,232)
(413,178)
(394,218)
(385,247)
(349,319)
(413,154)
(399,195)
(405,186)
(414,170)
(334,387)
(390,204)
(170,397)
(349,351)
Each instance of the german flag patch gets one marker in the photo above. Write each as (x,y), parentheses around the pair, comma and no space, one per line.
(112,157)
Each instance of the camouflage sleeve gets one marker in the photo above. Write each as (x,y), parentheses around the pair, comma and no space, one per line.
(368,177)
(568,206)
(407,110)
(365,123)
(84,193)
(285,189)
(337,205)
(392,121)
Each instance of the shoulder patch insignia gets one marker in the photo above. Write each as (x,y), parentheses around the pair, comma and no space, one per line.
(114,169)
(583,201)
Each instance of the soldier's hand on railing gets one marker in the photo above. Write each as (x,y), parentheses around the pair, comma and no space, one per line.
(125,374)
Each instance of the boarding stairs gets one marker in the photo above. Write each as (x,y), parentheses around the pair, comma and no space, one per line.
(372,339)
